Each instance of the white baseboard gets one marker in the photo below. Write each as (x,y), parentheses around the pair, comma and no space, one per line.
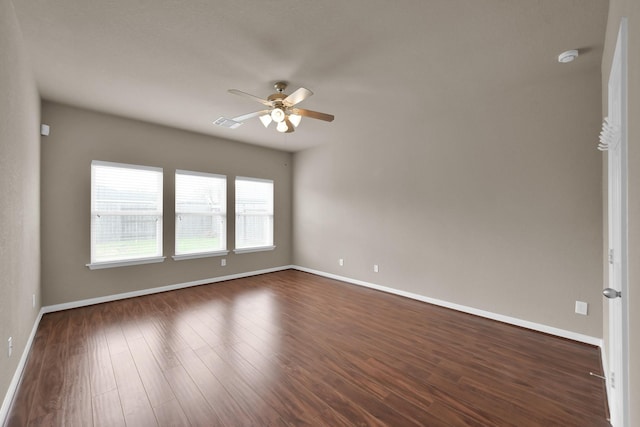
(13,386)
(125,295)
(465,309)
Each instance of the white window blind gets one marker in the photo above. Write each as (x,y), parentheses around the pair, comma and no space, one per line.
(254,213)
(126,212)
(201,213)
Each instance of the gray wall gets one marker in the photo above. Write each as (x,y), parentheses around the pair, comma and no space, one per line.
(80,136)
(631,10)
(495,206)
(20,194)
(488,208)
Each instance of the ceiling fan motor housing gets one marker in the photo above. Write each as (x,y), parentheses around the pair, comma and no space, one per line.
(279,110)
(277,98)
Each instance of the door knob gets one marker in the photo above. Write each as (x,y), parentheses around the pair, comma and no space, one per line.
(611,293)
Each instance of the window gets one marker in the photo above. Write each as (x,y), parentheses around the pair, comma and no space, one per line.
(201,214)
(126,214)
(254,214)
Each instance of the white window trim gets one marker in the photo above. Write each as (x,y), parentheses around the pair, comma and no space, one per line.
(204,174)
(254,249)
(159,214)
(246,178)
(124,263)
(199,255)
(272,215)
(195,255)
(126,165)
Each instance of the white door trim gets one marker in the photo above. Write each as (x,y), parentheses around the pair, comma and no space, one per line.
(617,181)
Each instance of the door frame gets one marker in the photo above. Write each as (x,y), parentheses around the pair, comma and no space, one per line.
(617,187)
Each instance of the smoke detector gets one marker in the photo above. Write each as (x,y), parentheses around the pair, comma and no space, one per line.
(567,56)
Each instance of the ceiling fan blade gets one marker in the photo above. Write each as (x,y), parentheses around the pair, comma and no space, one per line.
(248,95)
(298,96)
(250,115)
(312,114)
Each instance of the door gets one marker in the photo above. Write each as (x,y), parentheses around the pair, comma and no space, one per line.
(617,375)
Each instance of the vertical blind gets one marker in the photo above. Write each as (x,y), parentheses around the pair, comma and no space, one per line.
(126,212)
(201,212)
(254,213)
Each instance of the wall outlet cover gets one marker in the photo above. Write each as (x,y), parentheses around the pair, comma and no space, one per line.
(582,307)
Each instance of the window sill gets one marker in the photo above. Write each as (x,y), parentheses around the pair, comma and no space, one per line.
(199,255)
(124,263)
(257,249)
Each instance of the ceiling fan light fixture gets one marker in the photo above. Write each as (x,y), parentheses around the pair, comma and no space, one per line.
(282,127)
(285,126)
(266,120)
(295,119)
(277,114)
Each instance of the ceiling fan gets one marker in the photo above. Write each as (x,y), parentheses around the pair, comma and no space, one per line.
(281,109)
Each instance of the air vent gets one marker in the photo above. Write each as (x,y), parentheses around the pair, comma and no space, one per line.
(227,123)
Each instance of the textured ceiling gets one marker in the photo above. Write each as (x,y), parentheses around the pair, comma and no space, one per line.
(377,65)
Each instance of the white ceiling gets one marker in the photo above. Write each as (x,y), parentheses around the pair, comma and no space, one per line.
(375,64)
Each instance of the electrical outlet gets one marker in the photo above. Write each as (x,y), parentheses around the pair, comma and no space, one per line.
(223,262)
(341,262)
(582,307)
(375,268)
(9,346)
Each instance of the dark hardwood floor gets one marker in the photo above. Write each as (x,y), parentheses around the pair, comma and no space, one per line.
(292,349)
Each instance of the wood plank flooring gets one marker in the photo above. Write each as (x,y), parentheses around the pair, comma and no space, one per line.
(294,349)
